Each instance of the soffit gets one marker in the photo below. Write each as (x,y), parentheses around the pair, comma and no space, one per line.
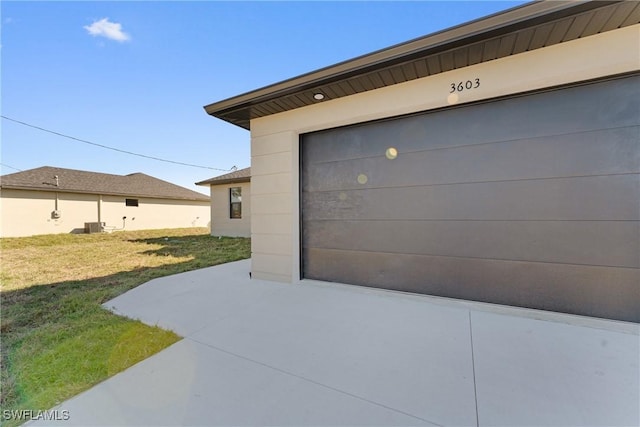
(525,28)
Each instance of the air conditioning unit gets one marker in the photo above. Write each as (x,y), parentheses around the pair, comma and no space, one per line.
(93,227)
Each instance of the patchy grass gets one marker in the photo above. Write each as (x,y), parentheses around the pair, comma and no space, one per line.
(57,340)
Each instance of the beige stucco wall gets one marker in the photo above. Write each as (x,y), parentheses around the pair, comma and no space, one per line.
(274,139)
(221,224)
(26,213)
(154,213)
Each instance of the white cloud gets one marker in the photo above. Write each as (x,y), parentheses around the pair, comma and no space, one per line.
(108,29)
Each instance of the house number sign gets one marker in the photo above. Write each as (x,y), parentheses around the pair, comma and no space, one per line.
(466,85)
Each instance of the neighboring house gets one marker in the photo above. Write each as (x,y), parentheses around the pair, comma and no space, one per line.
(230,203)
(495,161)
(51,200)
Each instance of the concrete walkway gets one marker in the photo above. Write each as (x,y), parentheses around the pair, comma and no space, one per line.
(319,354)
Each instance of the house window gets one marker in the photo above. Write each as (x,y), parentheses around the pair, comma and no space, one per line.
(131,202)
(235,202)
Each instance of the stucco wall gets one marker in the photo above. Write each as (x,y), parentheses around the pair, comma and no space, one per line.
(26,213)
(274,139)
(221,223)
(154,213)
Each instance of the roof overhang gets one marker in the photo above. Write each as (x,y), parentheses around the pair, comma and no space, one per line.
(223,181)
(237,176)
(520,29)
(204,197)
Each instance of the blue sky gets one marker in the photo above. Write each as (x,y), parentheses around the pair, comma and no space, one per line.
(135,75)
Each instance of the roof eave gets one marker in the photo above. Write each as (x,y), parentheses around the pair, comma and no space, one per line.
(530,13)
(210,182)
(204,198)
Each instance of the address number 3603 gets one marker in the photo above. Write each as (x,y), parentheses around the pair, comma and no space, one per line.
(467,85)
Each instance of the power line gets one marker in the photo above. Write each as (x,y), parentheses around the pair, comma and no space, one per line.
(10,167)
(111,148)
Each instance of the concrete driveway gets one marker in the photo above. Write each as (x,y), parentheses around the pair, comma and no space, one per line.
(319,354)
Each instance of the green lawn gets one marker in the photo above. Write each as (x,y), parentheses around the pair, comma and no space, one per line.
(57,340)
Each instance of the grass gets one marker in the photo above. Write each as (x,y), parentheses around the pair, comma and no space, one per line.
(57,340)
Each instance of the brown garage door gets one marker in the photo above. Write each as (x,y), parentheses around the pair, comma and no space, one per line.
(530,201)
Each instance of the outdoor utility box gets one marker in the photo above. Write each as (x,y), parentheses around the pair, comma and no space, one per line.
(93,227)
(56,214)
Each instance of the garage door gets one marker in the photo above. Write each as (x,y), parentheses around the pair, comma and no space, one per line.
(530,201)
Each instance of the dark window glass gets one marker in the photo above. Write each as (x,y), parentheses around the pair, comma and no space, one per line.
(235,202)
(131,202)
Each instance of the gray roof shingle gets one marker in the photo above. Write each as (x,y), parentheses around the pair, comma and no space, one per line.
(241,175)
(77,181)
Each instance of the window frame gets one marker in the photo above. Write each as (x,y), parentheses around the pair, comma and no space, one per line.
(132,203)
(235,207)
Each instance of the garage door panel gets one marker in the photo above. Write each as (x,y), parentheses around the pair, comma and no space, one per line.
(581,198)
(576,242)
(560,287)
(611,151)
(532,200)
(560,112)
